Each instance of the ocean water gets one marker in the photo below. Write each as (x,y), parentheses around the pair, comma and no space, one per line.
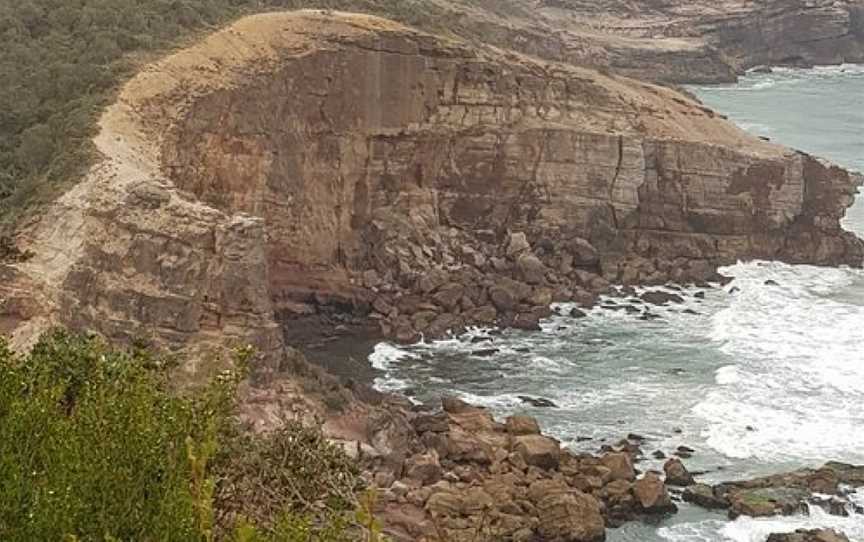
(762,379)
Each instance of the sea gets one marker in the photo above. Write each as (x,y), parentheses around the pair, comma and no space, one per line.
(765,377)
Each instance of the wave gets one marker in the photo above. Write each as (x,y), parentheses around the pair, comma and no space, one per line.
(746,529)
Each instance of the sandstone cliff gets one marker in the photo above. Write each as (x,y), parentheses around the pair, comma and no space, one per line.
(302,164)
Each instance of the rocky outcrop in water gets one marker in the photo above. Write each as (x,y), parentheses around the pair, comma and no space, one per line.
(334,166)
(784,494)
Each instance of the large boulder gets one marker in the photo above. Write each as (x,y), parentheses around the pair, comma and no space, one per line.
(677,474)
(620,464)
(704,495)
(584,254)
(538,451)
(768,501)
(517,244)
(570,517)
(522,425)
(424,468)
(530,268)
(650,492)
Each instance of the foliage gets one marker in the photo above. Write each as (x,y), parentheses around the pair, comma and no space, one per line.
(96,446)
(304,475)
(61,60)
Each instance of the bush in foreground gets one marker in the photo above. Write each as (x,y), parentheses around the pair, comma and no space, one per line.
(94,445)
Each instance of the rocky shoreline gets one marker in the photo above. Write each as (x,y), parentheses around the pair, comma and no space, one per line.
(458,474)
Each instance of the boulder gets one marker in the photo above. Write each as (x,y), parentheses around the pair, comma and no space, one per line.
(436,423)
(538,451)
(677,474)
(537,402)
(570,517)
(650,492)
(517,244)
(522,425)
(449,295)
(620,466)
(703,495)
(503,298)
(530,268)
(659,297)
(424,468)
(768,501)
(584,253)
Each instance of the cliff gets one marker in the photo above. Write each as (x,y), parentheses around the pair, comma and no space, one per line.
(308,165)
(660,40)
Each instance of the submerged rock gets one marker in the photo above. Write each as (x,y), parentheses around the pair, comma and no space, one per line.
(537,402)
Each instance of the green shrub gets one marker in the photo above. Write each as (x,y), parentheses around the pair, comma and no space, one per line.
(91,446)
(96,446)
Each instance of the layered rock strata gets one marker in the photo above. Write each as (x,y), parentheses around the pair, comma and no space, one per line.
(305,164)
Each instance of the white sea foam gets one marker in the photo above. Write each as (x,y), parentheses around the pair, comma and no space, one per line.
(746,529)
(385,355)
(799,377)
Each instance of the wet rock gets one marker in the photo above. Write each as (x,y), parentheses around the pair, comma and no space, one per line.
(651,493)
(659,297)
(703,495)
(769,501)
(648,316)
(537,402)
(485,352)
(770,282)
(577,313)
(677,474)
(699,295)
(813,535)
(658,454)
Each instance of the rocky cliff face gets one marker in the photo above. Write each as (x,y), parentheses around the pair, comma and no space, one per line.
(669,41)
(303,164)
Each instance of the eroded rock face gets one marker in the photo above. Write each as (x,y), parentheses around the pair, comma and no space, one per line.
(300,165)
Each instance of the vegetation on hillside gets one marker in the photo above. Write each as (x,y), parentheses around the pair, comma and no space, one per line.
(61,60)
(95,446)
